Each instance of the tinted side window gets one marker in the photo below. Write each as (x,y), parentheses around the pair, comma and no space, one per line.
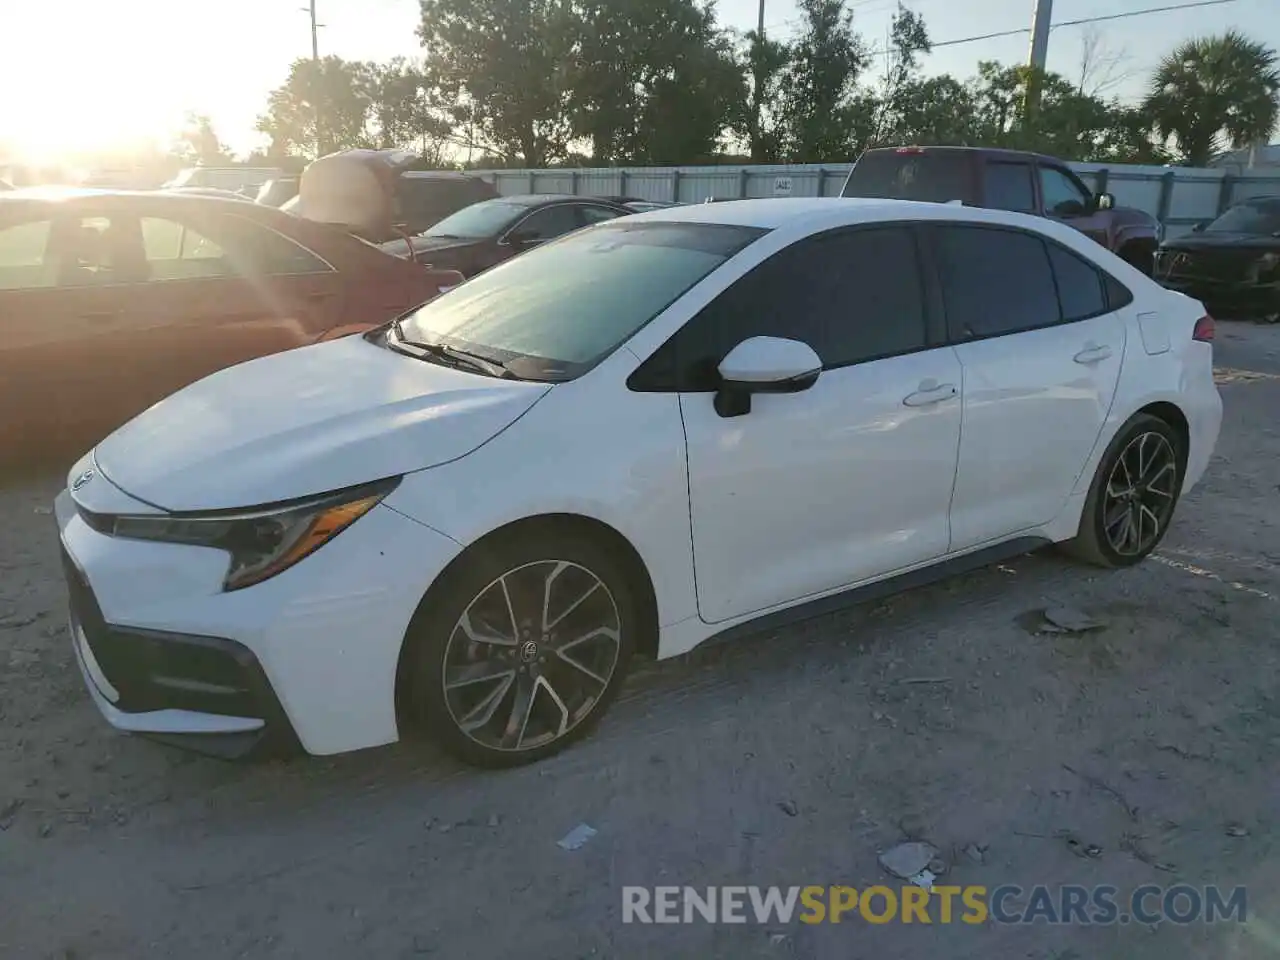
(550,222)
(995,281)
(853,296)
(1118,295)
(1062,195)
(590,214)
(1080,291)
(1008,186)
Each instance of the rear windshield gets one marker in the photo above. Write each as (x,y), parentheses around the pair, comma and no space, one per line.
(887,174)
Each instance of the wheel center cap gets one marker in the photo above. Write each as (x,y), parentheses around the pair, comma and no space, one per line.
(528,651)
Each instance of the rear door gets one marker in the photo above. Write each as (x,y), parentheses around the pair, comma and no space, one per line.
(1041,354)
(1066,199)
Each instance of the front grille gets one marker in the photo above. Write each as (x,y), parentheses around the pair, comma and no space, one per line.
(152,670)
(1213,266)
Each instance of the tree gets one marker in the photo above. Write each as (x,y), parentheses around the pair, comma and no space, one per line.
(1214,91)
(198,143)
(1101,68)
(506,63)
(766,62)
(324,106)
(823,114)
(408,112)
(908,38)
(939,110)
(653,81)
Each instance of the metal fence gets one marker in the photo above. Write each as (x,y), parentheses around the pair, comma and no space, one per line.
(1179,197)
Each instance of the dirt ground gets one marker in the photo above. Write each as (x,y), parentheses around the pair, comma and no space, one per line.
(789,758)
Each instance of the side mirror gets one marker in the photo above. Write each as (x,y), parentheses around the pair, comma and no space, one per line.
(1104,201)
(764,365)
(522,238)
(1200,227)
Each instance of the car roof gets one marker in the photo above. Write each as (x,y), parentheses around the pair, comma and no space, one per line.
(537,199)
(908,149)
(818,213)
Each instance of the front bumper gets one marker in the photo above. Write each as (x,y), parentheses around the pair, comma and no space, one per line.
(306,659)
(1228,299)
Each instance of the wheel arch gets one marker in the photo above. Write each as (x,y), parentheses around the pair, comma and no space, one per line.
(1173,415)
(636,571)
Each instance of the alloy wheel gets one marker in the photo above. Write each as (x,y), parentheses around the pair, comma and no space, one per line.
(1140,494)
(531,655)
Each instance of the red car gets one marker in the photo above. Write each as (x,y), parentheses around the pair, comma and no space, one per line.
(110,301)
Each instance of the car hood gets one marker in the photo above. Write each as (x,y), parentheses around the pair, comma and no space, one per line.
(306,421)
(1223,241)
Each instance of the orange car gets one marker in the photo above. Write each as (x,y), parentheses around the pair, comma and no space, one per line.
(110,301)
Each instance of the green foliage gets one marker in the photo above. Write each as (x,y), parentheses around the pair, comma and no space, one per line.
(1214,92)
(323,106)
(539,83)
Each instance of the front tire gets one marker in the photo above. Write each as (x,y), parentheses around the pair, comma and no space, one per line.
(1133,495)
(520,649)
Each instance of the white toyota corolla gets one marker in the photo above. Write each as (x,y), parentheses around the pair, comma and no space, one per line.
(623,443)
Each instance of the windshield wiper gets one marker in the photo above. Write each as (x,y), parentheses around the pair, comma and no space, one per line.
(453,356)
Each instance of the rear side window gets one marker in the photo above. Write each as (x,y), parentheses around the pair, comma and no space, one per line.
(934,177)
(1008,186)
(1118,295)
(995,281)
(1080,290)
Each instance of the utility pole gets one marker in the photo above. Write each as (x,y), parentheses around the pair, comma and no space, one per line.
(757,92)
(1039,54)
(315,74)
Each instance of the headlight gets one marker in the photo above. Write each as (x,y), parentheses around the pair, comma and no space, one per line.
(261,542)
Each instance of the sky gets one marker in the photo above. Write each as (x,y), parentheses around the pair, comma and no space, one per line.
(86,74)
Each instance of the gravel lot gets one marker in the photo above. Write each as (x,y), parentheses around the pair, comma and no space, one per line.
(787,758)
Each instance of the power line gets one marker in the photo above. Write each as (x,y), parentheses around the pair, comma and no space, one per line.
(1073,23)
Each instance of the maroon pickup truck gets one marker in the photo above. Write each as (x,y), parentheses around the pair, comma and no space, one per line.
(1006,180)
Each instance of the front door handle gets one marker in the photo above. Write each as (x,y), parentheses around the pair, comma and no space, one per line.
(1092,353)
(100,316)
(930,393)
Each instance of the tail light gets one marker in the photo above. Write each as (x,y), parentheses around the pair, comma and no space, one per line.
(909,150)
(1203,330)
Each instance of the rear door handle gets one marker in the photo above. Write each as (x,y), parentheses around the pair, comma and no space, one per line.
(1092,353)
(100,316)
(930,393)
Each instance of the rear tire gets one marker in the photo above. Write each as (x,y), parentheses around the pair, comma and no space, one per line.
(518,651)
(1133,495)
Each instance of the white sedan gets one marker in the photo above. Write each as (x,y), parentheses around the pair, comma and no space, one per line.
(633,439)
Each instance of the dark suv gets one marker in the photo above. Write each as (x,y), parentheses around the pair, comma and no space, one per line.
(1006,180)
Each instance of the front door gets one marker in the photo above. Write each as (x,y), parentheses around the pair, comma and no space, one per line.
(814,491)
(1041,355)
(1069,201)
(221,289)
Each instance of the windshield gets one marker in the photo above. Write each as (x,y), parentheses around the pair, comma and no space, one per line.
(485,219)
(889,175)
(554,312)
(1260,217)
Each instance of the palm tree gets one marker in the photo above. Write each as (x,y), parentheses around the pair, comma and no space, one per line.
(1215,91)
